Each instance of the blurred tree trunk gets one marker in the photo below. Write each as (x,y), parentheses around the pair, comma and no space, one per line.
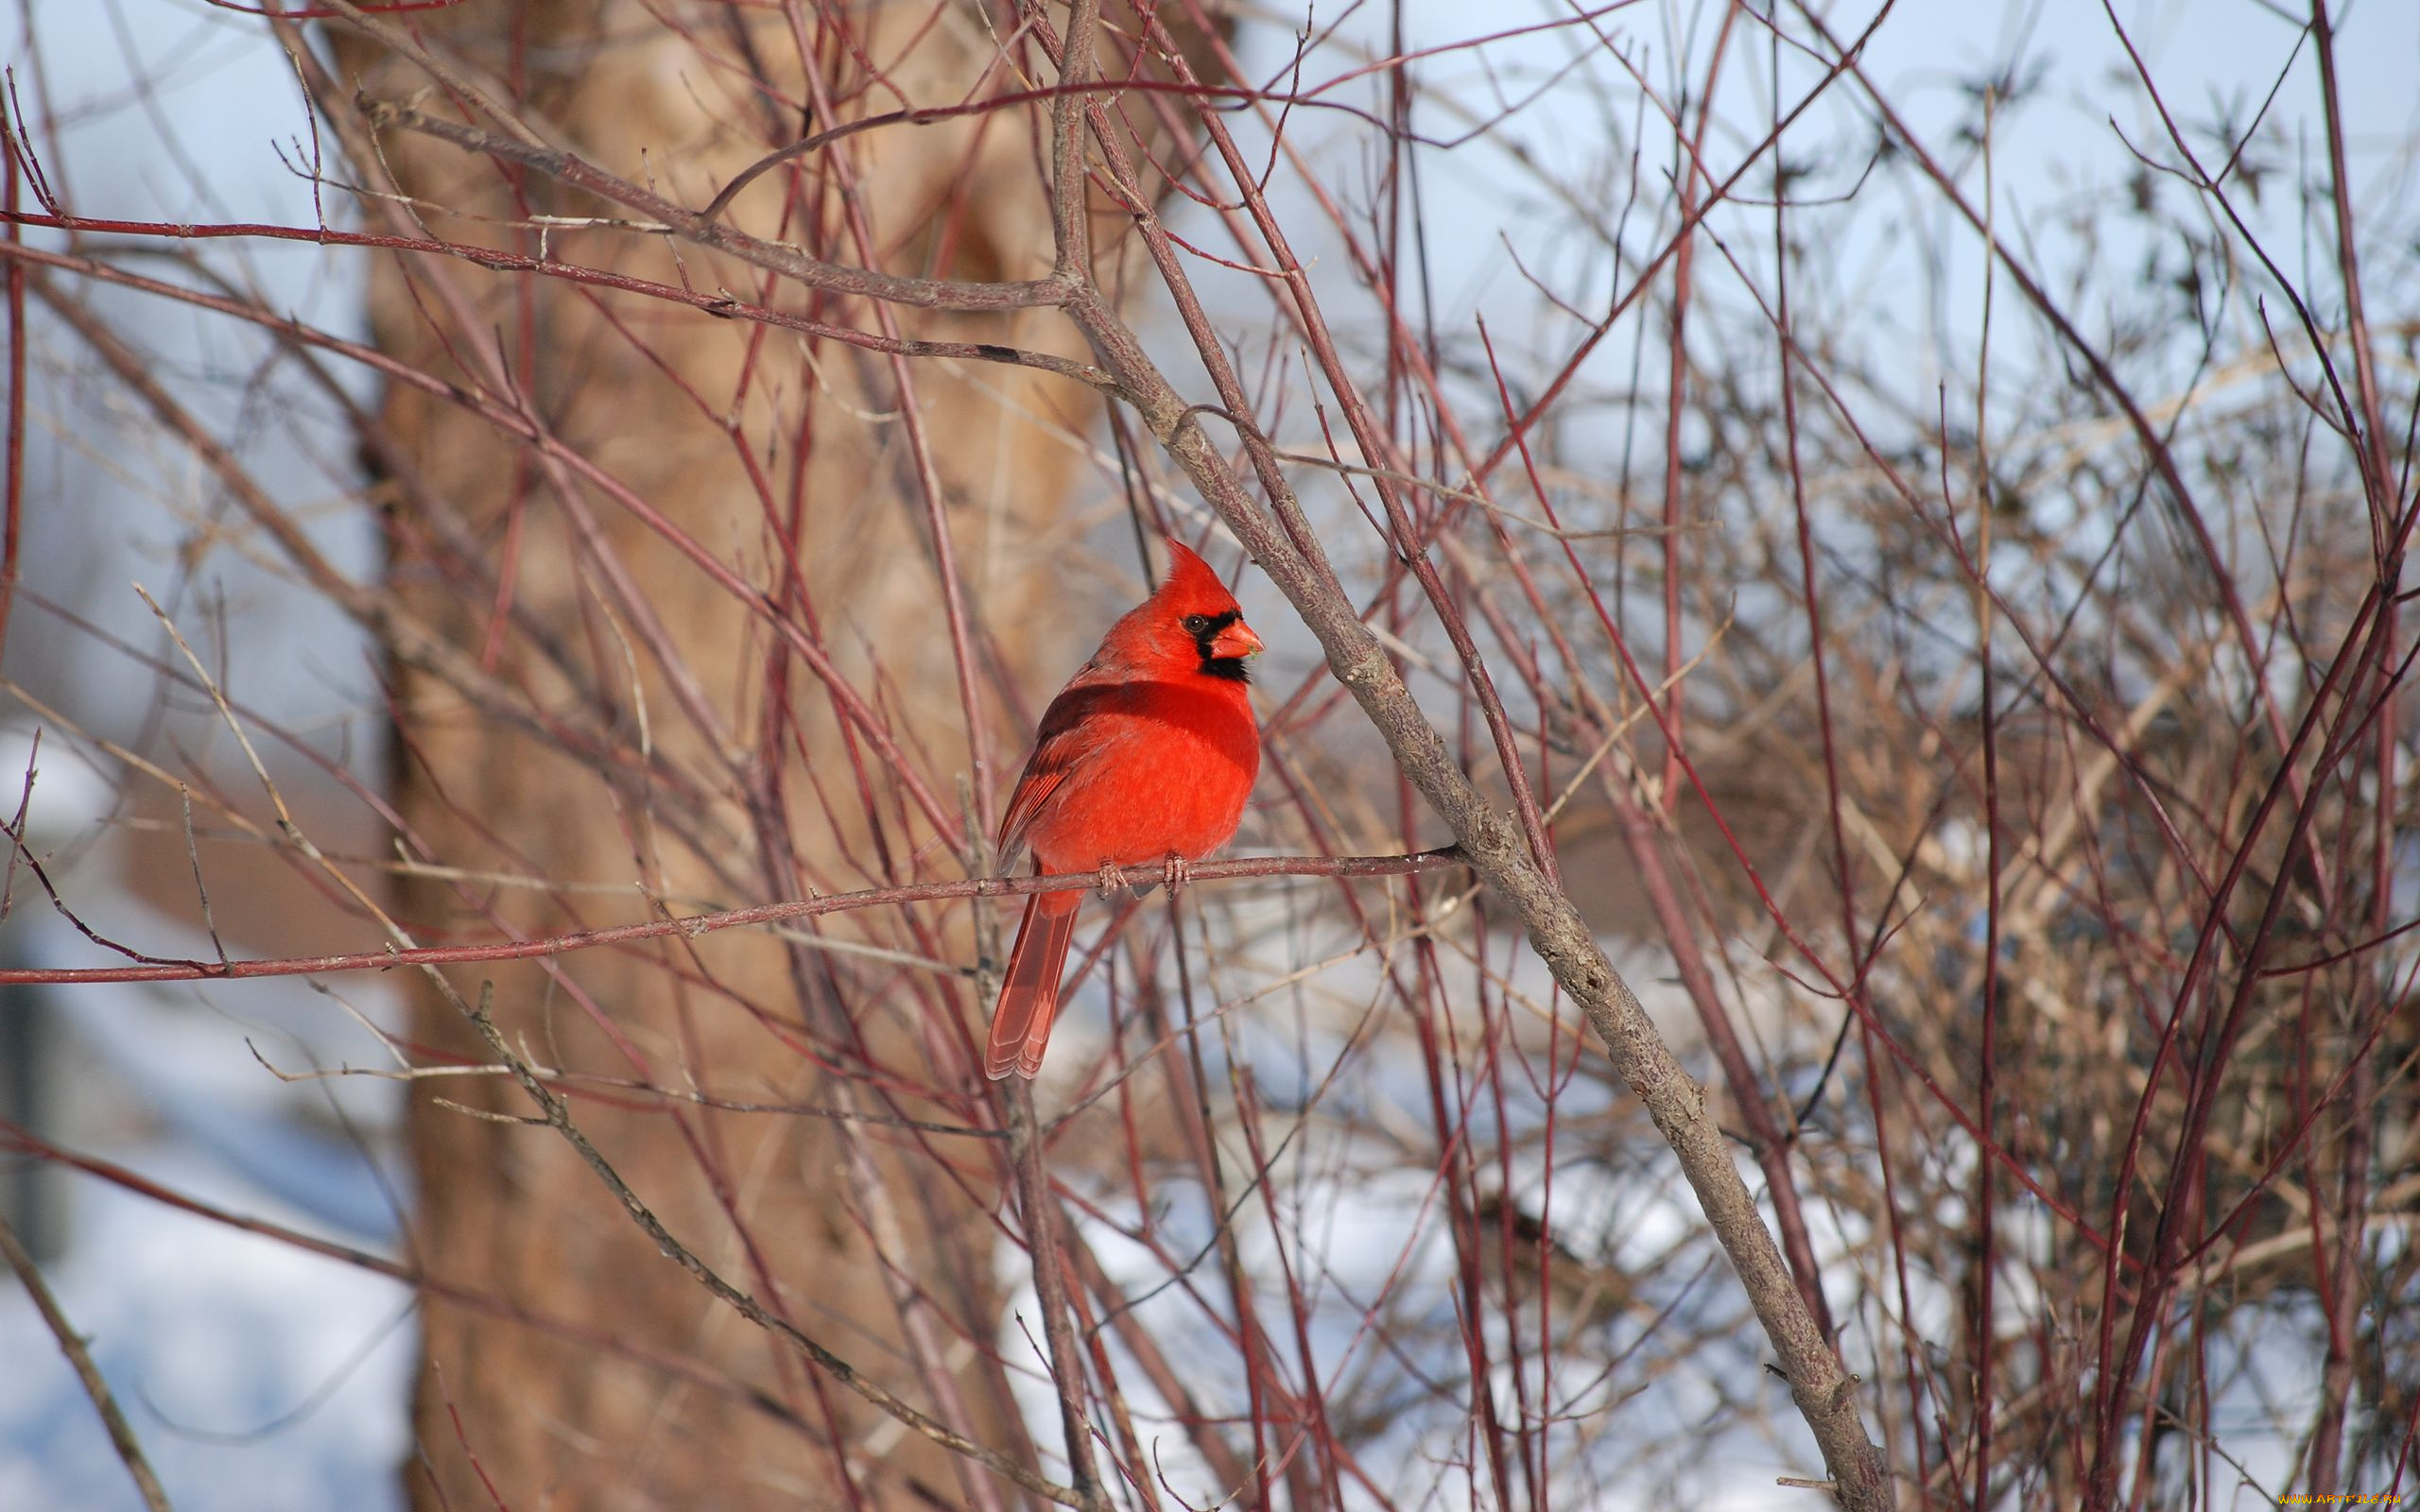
(674,744)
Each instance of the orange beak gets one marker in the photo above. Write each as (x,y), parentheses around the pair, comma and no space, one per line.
(1237,640)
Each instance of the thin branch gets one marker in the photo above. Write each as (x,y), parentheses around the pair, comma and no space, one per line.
(130,1449)
(774,257)
(699,925)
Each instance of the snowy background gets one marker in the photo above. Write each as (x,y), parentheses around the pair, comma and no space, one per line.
(263,1377)
(258,1376)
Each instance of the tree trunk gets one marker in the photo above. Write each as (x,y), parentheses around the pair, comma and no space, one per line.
(671,752)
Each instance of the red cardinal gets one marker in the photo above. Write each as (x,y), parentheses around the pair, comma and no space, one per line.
(1145,758)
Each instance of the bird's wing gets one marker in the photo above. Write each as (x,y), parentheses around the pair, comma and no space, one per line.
(1060,746)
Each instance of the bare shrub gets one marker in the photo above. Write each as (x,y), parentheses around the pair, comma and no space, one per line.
(1942,646)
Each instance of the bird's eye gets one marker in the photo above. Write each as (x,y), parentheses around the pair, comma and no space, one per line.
(1197,625)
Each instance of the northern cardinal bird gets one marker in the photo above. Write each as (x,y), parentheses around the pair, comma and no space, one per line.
(1145,758)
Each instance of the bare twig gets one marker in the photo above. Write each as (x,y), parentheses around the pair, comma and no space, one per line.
(71,1345)
(701,924)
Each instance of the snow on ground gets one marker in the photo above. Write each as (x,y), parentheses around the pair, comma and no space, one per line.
(257,1376)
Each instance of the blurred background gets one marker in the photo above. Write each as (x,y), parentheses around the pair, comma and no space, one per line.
(199,1169)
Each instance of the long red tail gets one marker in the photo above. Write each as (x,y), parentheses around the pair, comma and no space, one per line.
(1029,997)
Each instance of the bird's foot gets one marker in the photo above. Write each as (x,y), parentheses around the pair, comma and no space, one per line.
(1179,871)
(1111,881)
